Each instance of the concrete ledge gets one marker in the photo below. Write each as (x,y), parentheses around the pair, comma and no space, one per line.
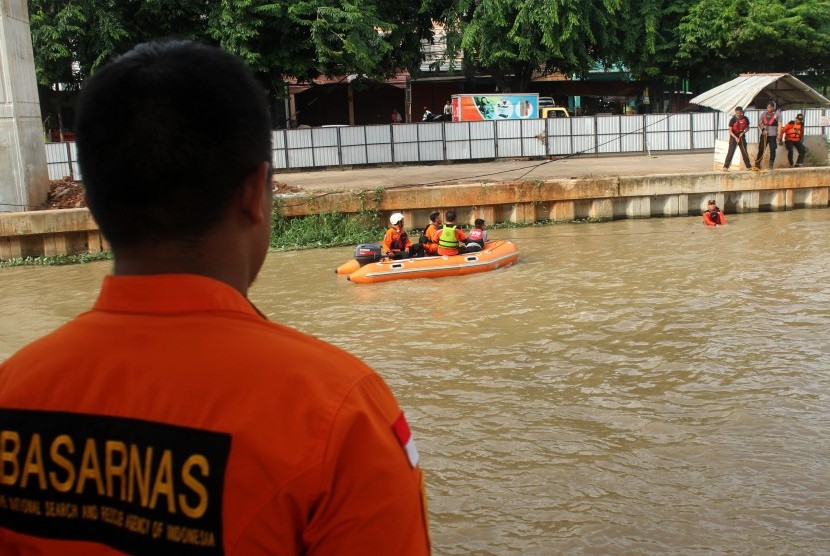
(598,197)
(48,233)
(73,231)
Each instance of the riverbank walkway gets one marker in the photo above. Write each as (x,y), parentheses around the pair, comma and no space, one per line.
(585,166)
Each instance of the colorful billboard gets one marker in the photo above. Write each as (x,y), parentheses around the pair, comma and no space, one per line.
(478,107)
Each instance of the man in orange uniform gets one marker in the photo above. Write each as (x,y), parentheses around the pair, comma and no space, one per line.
(792,135)
(430,247)
(450,239)
(173,417)
(396,243)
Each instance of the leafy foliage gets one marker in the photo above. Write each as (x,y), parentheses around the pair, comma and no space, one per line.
(324,230)
(59,260)
(725,37)
(509,39)
(512,40)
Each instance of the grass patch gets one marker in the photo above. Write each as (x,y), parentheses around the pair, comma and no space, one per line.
(59,260)
(307,232)
(325,230)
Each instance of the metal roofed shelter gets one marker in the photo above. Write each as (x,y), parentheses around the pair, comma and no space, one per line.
(758,88)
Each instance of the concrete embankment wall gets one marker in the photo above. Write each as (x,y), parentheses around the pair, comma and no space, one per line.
(49,233)
(603,198)
(73,231)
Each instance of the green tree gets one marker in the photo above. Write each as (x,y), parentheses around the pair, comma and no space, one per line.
(279,39)
(513,39)
(721,38)
(303,39)
(647,35)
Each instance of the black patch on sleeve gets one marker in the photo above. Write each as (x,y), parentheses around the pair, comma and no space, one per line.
(138,486)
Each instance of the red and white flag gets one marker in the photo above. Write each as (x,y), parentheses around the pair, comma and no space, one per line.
(404,435)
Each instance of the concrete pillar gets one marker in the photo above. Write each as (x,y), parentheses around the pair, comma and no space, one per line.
(523,213)
(602,209)
(747,201)
(563,211)
(24,180)
(821,197)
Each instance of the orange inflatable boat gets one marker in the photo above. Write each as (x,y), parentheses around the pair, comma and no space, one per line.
(496,254)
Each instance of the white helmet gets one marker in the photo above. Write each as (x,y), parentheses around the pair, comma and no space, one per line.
(395,218)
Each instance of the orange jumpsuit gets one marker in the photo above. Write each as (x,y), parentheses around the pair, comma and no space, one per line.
(174,418)
(430,248)
(395,241)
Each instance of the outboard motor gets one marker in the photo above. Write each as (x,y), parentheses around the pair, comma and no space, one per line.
(366,253)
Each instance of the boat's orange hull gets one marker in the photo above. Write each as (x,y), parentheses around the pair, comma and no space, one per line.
(496,254)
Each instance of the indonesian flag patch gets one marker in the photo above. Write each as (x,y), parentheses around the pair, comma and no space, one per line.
(404,435)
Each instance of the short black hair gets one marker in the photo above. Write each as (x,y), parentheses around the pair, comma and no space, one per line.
(449,216)
(433,216)
(479,222)
(166,134)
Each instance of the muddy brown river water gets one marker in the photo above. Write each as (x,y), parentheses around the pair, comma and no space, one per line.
(632,387)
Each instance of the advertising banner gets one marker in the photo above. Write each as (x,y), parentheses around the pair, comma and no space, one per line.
(468,108)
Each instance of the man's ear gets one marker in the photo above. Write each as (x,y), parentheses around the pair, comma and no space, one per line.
(255,189)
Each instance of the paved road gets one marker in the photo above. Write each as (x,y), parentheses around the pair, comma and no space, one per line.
(505,170)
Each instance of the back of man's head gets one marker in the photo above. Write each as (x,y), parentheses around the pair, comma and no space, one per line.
(166,134)
(449,216)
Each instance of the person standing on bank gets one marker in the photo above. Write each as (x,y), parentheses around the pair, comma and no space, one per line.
(738,126)
(448,112)
(183,417)
(793,138)
(768,124)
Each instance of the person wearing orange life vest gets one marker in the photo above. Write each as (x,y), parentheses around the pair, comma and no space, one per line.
(396,243)
(450,239)
(793,138)
(713,216)
(435,223)
(768,124)
(738,126)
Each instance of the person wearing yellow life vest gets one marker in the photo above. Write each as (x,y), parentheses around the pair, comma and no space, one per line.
(793,138)
(450,239)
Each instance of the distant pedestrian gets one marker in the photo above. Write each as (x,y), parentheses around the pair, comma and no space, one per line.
(429,115)
(738,126)
(793,138)
(448,111)
(396,116)
(768,124)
